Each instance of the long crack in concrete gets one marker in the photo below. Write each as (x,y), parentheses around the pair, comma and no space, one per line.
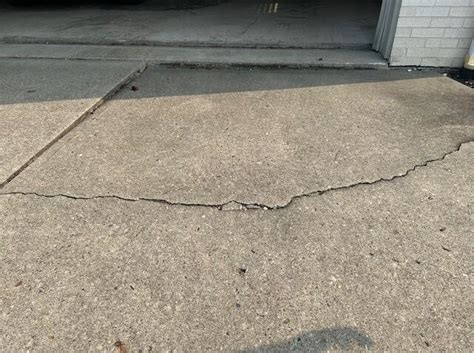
(234,205)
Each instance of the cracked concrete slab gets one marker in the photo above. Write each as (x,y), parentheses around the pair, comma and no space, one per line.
(385,267)
(41,99)
(256,137)
(235,205)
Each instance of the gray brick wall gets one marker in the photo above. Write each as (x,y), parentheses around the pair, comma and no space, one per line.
(433,33)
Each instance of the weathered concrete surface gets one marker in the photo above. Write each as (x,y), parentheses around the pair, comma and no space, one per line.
(247,23)
(385,266)
(300,58)
(254,136)
(40,99)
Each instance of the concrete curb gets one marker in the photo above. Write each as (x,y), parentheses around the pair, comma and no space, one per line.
(288,58)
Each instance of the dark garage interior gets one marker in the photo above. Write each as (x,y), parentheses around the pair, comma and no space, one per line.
(232,23)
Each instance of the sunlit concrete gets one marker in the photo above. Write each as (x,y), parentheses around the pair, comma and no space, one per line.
(255,136)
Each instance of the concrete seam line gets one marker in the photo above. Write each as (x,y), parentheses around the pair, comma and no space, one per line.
(26,40)
(233,205)
(181,63)
(115,89)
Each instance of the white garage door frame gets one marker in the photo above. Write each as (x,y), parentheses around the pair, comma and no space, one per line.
(387,25)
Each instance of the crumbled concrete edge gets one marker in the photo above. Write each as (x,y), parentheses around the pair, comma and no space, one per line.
(234,205)
(115,89)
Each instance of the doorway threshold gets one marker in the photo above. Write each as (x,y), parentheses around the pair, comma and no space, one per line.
(202,56)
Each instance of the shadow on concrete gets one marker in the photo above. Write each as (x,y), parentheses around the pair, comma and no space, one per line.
(344,339)
(166,81)
(121,5)
(30,81)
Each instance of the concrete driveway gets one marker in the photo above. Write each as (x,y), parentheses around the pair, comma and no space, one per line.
(188,209)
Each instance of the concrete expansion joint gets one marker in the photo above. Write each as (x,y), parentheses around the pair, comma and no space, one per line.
(115,90)
(243,206)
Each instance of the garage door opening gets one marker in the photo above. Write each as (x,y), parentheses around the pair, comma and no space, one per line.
(229,23)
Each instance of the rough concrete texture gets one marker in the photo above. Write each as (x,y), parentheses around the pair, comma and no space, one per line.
(299,58)
(254,138)
(385,267)
(247,23)
(40,100)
